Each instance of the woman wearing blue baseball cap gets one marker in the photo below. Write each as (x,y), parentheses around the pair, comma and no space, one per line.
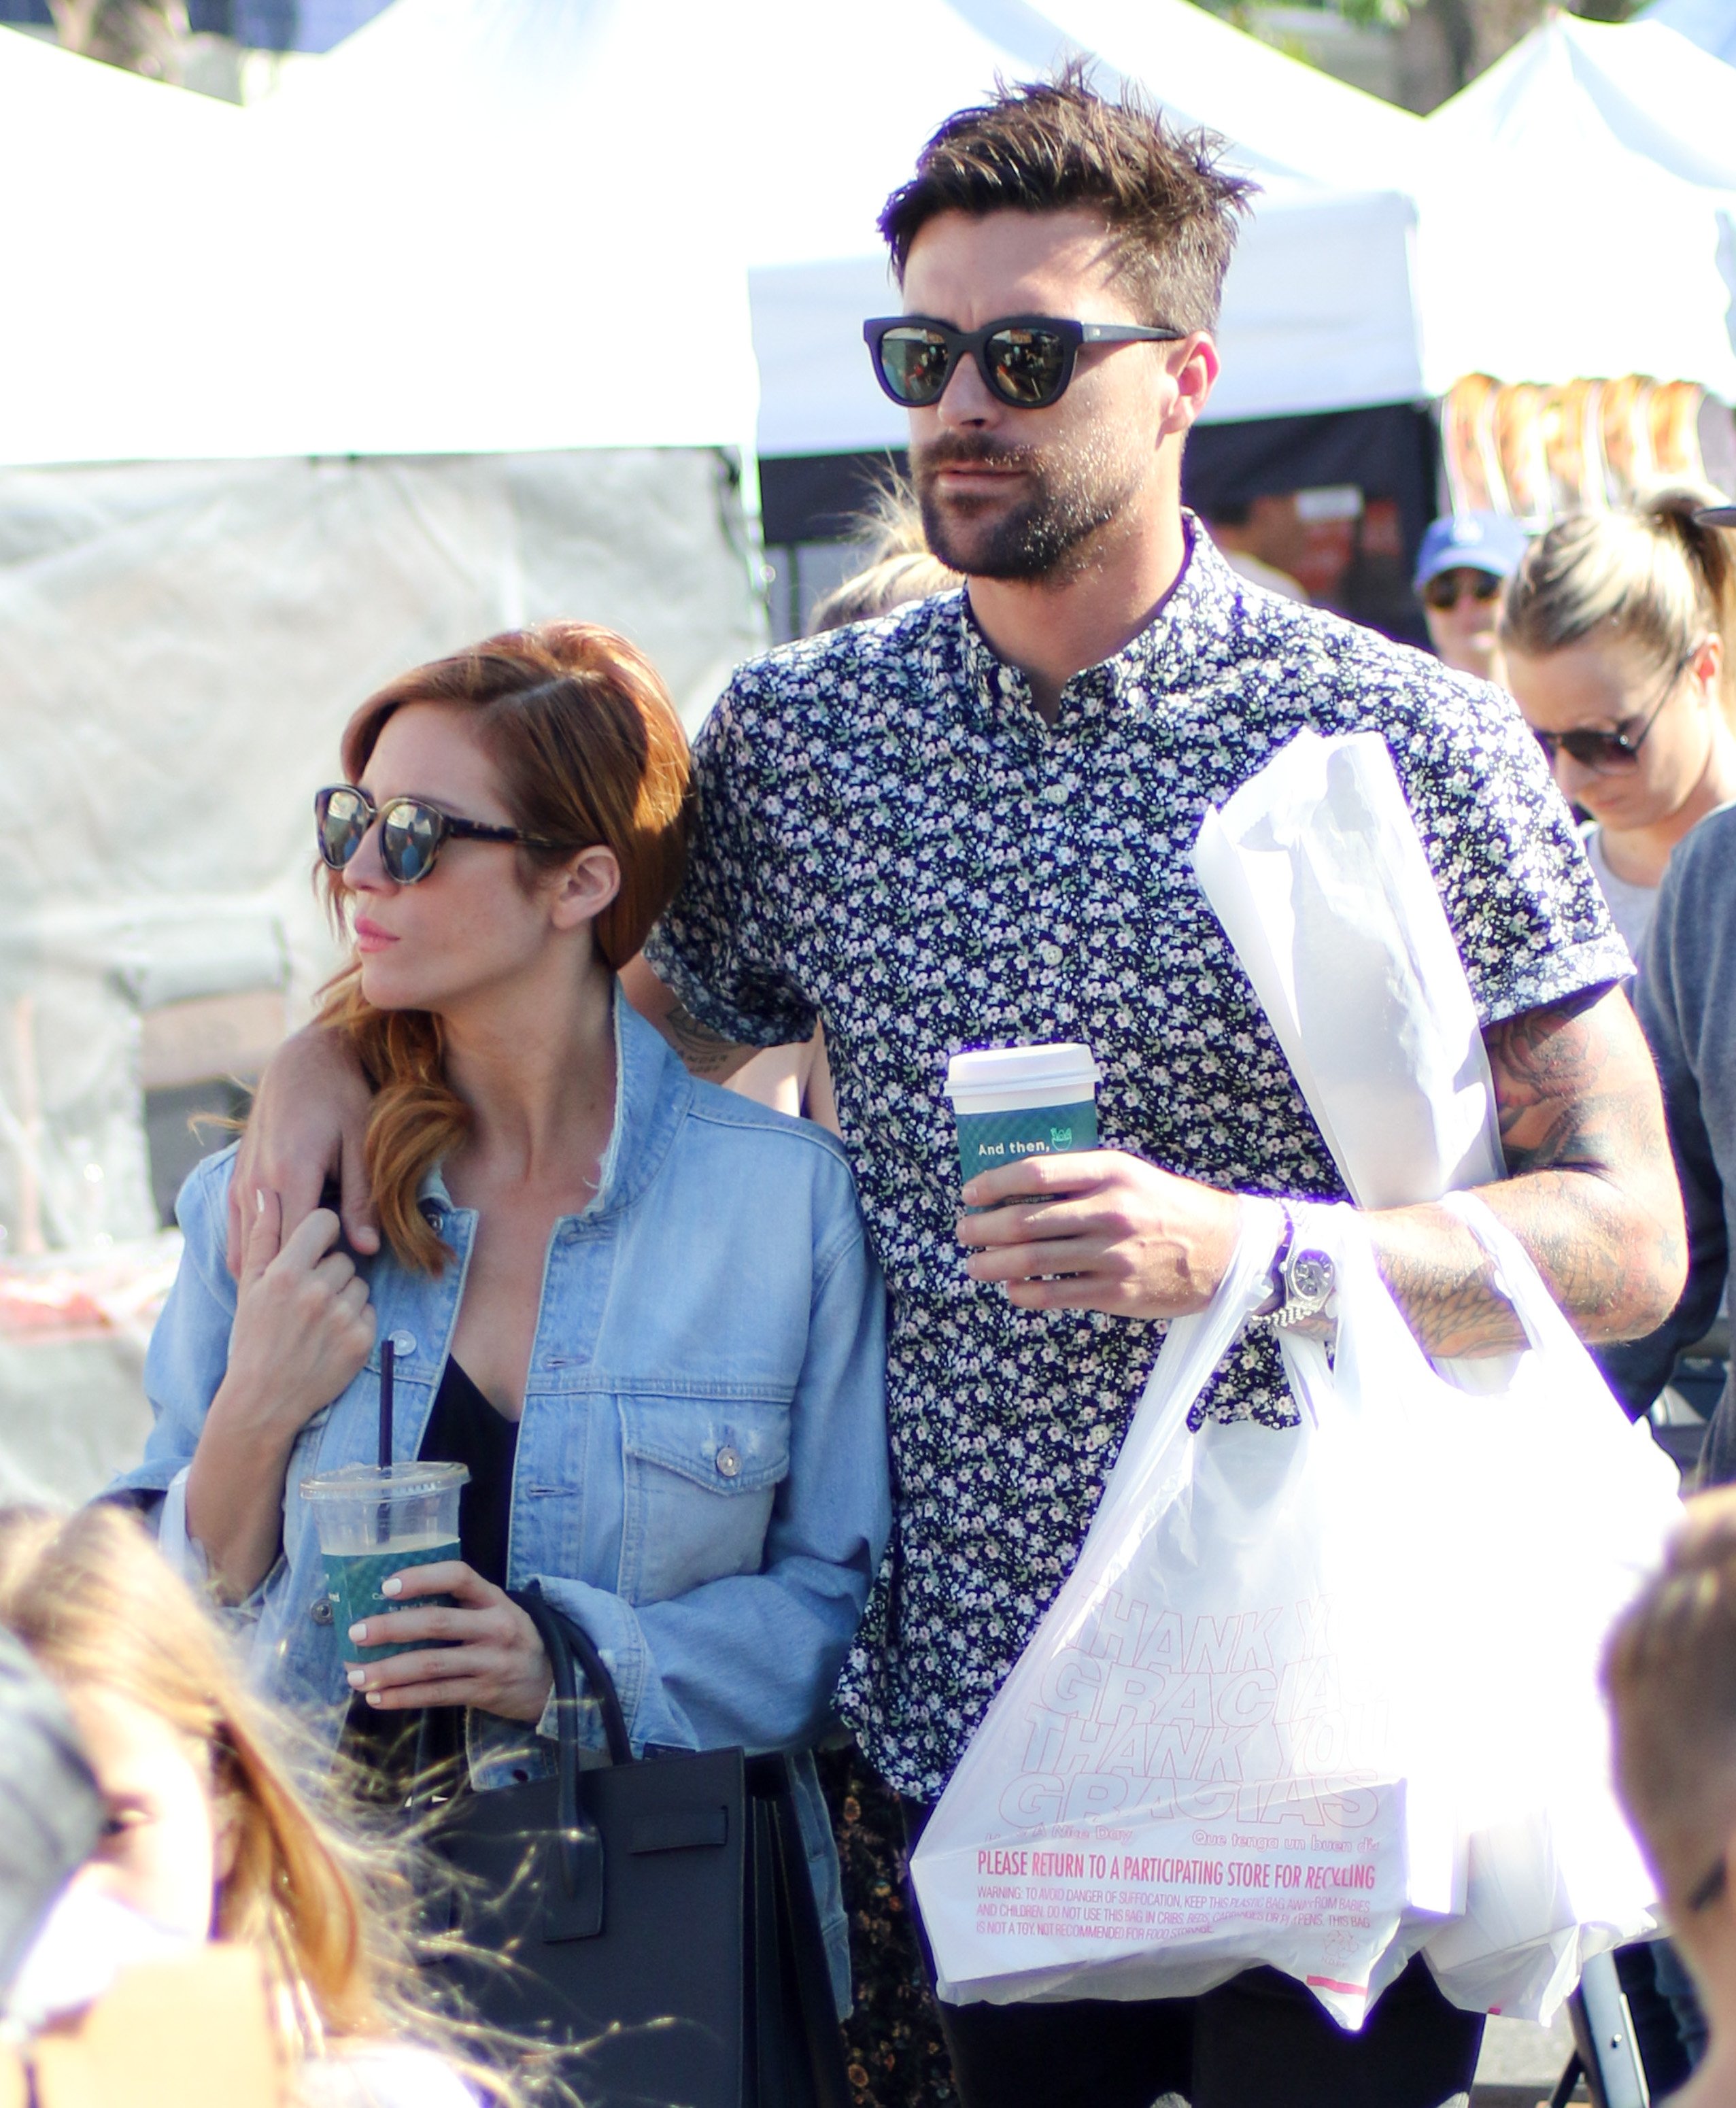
(1464,563)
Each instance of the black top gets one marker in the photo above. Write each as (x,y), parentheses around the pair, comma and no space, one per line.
(464,1427)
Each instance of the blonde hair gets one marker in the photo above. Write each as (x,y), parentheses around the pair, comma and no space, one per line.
(898,567)
(1650,577)
(1669,1672)
(95,1603)
(589,752)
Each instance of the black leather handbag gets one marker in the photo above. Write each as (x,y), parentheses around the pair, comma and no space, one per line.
(653,1918)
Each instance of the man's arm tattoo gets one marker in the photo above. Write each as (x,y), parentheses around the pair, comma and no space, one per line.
(1591,1193)
(706,1053)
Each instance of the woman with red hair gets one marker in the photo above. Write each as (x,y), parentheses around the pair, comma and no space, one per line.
(640,1308)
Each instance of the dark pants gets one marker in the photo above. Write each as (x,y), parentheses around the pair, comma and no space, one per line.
(1257,2042)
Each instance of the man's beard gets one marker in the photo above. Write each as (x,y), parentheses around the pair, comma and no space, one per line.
(1070,502)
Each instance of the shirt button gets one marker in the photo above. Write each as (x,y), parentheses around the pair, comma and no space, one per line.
(729,1461)
(403,1344)
(321,1611)
(1050,954)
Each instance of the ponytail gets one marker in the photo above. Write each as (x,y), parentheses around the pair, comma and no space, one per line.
(1651,577)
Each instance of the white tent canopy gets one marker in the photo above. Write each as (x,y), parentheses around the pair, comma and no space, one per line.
(454,268)
(1579,212)
(786,123)
(1317,307)
(287,404)
(1569,214)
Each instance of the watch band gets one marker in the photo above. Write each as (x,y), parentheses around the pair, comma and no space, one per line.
(1302,1283)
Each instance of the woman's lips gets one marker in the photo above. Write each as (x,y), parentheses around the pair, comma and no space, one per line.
(370,937)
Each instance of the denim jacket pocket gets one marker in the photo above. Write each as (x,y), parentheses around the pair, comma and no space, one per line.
(701,1475)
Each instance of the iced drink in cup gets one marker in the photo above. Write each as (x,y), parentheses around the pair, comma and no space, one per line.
(1012,1102)
(373,1521)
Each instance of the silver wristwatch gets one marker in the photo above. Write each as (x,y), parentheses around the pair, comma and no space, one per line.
(1303,1283)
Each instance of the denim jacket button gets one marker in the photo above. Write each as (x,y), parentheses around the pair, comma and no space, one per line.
(320,1611)
(403,1344)
(729,1461)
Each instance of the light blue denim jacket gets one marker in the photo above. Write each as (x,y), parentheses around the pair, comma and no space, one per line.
(701,1474)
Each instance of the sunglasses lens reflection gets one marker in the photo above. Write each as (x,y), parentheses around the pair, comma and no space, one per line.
(340,818)
(409,837)
(915,364)
(1028,365)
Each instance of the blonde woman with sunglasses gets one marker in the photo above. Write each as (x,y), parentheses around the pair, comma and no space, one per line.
(1615,632)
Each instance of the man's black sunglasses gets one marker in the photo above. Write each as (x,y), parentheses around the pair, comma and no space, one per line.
(411,831)
(1025,360)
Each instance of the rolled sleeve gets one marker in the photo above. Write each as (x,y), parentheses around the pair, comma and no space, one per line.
(1524,907)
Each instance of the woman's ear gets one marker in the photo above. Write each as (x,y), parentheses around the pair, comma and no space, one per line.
(1707,664)
(226,1840)
(585,886)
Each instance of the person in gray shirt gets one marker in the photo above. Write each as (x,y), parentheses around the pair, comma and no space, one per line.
(1686,998)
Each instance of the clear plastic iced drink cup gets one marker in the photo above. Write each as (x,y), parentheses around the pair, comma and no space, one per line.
(374,1521)
(1012,1102)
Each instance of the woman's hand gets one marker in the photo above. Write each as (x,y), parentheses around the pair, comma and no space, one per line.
(302,1331)
(303,1326)
(493,1658)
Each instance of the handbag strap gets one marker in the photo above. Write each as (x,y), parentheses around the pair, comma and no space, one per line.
(570,1648)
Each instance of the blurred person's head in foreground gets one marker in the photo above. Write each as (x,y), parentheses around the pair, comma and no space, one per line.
(1062,257)
(206,1834)
(53,1815)
(1617,630)
(897,565)
(1461,568)
(1669,1672)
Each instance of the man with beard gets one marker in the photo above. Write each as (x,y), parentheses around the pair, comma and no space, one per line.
(968,823)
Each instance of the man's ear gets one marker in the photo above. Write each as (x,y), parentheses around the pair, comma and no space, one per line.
(585,887)
(1194,366)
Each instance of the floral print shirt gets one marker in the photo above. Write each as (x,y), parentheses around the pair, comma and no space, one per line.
(892,838)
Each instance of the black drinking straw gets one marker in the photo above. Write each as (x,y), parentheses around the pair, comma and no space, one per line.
(386,1357)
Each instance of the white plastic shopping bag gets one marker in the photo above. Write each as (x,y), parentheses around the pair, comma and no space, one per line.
(1317,873)
(1216,1751)
(1563,1507)
(1298,1677)
(1326,1697)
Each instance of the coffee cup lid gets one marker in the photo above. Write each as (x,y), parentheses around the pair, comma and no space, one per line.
(1022,1068)
(388,1482)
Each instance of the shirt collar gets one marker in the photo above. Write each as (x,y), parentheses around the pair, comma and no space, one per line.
(1190,622)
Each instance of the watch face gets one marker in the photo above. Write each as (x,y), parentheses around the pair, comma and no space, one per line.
(1310,1277)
